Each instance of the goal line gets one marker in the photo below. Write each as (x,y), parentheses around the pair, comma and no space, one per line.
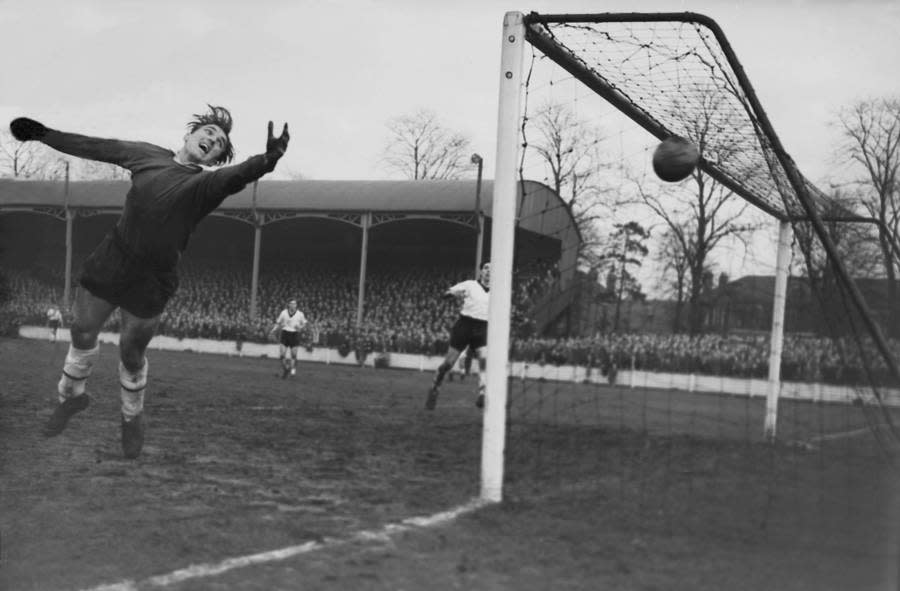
(212,569)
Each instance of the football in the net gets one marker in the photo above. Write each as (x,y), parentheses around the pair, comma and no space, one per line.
(674,159)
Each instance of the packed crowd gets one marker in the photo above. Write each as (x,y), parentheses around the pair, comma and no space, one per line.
(404,312)
(28,299)
(804,358)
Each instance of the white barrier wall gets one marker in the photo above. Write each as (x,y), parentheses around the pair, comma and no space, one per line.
(517,369)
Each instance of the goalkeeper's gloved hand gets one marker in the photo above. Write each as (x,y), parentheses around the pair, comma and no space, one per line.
(24,129)
(276,146)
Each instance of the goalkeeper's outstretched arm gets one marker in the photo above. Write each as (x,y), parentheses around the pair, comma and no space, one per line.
(112,151)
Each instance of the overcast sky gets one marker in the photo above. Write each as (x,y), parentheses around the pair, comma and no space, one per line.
(338,70)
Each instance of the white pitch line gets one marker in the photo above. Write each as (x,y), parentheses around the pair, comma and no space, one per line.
(812,442)
(841,435)
(196,571)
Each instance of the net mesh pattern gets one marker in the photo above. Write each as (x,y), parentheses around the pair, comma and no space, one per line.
(680,80)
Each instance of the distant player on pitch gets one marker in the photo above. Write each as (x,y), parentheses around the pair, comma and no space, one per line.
(470,330)
(290,321)
(54,322)
(134,268)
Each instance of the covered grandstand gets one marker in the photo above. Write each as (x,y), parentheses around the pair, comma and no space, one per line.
(368,239)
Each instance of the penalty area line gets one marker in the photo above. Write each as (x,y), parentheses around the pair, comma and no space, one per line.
(211,569)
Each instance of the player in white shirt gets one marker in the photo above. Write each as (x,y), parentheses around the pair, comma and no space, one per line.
(54,322)
(291,321)
(470,330)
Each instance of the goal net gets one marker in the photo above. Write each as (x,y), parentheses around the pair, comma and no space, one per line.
(757,390)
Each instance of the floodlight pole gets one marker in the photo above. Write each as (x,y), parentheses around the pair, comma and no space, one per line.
(479,215)
(503,231)
(782,264)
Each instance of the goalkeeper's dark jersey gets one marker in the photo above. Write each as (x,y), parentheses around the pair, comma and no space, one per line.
(166,199)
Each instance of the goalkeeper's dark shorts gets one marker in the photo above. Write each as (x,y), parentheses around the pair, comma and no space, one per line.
(468,332)
(122,278)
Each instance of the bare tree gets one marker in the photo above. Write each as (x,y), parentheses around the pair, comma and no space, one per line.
(569,149)
(92,170)
(21,159)
(419,147)
(34,160)
(700,216)
(674,274)
(871,131)
(857,246)
(695,227)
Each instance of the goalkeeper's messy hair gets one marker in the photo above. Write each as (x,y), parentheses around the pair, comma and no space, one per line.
(221,117)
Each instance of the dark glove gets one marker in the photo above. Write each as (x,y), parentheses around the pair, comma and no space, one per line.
(24,129)
(276,146)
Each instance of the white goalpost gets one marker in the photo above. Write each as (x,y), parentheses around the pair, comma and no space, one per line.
(782,267)
(503,234)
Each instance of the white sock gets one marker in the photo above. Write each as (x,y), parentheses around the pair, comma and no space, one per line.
(76,370)
(132,386)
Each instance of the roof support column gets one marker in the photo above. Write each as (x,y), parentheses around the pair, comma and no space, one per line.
(366,223)
(258,221)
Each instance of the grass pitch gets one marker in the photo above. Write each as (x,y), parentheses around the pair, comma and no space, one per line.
(607,488)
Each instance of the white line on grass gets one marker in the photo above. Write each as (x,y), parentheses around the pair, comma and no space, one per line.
(812,442)
(841,435)
(196,571)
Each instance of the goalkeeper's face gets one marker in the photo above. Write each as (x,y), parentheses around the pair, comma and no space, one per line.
(205,145)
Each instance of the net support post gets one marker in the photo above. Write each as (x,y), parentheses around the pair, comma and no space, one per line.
(773,391)
(503,232)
